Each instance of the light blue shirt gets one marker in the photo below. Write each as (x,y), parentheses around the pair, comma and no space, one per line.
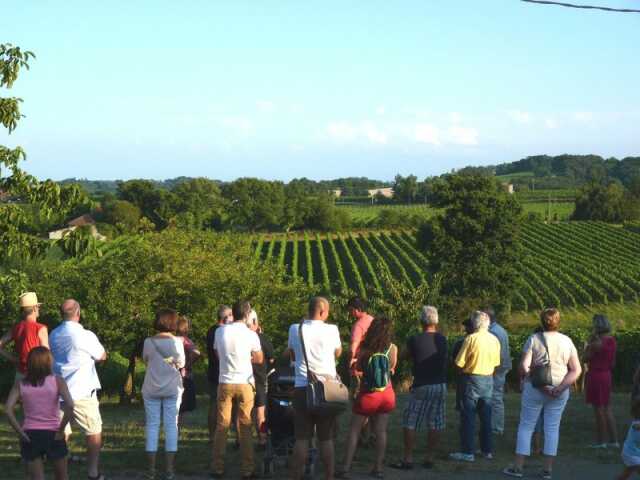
(632,443)
(75,351)
(505,352)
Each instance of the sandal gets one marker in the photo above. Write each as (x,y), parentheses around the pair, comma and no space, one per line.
(402,465)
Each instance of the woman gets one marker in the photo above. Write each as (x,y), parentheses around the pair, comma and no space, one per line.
(192,354)
(600,355)
(163,354)
(42,430)
(377,359)
(550,360)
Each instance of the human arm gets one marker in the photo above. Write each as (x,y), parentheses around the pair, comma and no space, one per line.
(257,355)
(43,337)
(393,358)
(95,348)
(67,407)
(357,334)
(461,358)
(337,342)
(5,340)
(181,356)
(10,407)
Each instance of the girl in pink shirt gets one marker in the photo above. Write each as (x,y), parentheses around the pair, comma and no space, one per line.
(42,431)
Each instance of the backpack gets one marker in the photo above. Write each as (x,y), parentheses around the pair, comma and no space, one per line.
(377,372)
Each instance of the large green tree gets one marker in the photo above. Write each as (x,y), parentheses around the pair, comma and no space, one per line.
(607,203)
(473,244)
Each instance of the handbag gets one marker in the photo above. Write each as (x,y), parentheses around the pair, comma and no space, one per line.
(325,395)
(540,375)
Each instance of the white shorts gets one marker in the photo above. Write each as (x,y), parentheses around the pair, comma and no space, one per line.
(630,461)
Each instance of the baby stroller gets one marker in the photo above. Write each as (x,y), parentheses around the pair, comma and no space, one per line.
(279,424)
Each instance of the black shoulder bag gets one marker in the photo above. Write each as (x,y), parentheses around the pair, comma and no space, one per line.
(325,396)
(540,375)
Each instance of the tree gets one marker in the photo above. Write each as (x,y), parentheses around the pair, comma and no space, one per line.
(254,204)
(201,200)
(156,204)
(405,189)
(17,238)
(123,214)
(474,243)
(606,203)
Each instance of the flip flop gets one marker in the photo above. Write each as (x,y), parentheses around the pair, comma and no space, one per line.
(402,465)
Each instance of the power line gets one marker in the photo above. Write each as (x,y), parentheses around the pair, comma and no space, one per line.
(587,7)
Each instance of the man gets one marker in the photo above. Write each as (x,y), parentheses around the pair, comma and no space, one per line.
(25,335)
(478,358)
(237,348)
(428,354)
(260,371)
(362,321)
(323,347)
(75,352)
(224,316)
(500,375)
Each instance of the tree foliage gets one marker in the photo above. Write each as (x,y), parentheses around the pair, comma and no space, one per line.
(608,203)
(474,243)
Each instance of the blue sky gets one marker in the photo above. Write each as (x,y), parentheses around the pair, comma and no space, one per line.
(282,89)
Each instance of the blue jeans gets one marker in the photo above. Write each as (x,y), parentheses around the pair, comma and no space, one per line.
(476,399)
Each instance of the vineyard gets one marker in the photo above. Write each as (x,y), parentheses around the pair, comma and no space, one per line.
(570,264)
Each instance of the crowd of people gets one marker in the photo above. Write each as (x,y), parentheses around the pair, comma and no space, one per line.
(57,384)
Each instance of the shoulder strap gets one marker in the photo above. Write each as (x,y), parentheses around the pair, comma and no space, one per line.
(544,344)
(155,346)
(304,350)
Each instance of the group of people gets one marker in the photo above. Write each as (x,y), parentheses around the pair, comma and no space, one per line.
(57,383)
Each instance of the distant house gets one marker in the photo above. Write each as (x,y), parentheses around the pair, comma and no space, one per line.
(336,193)
(386,192)
(81,221)
(508,187)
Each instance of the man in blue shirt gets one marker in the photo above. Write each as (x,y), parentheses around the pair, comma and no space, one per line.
(75,352)
(500,375)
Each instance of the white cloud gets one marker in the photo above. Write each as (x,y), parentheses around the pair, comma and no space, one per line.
(551,123)
(463,135)
(519,116)
(265,105)
(374,134)
(341,131)
(583,116)
(346,131)
(426,133)
(240,124)
(381,110)
(455,117)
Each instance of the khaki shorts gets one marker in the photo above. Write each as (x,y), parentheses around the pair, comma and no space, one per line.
(86,414)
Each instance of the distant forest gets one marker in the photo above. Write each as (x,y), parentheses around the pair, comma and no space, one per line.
(535,172)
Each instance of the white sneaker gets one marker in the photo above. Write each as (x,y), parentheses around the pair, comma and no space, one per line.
(512,471)
(462,457)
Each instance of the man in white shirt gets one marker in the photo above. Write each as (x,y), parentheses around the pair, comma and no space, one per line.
(323,347)
(236,347)
(75,352)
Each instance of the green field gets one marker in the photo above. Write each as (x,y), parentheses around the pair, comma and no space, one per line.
(571,264)
(364,216)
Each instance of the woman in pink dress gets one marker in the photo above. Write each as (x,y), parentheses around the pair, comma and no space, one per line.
(600,355)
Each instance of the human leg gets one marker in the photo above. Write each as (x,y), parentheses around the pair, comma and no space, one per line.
(601,427)
(612,428)
(531,406)
(170,409)
(60,470)
(35,469)
(213,411)
(245,397)
(485,410)
(87,416)
(497,402)
(327,455)
(357,421)
(223,420)
(468,420)
(152,415)
(303,429)
(380,423)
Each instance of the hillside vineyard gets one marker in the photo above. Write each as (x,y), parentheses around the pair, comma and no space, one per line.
(567,264)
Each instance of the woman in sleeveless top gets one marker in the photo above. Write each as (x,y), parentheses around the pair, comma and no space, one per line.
(376,363)
(600,355)
(42,431)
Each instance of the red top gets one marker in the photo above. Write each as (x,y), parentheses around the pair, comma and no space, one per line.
(25,337)
(603,359)
(358,332)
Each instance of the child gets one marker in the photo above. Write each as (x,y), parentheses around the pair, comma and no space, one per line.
(42,431)
(631,448)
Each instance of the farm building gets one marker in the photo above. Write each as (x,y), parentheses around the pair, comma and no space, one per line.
(81,221)
(386,192)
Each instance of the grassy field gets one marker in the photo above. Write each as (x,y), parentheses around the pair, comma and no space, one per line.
(367,214)
(123,455)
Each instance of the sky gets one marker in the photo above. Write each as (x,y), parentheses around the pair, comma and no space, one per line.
(284,89)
